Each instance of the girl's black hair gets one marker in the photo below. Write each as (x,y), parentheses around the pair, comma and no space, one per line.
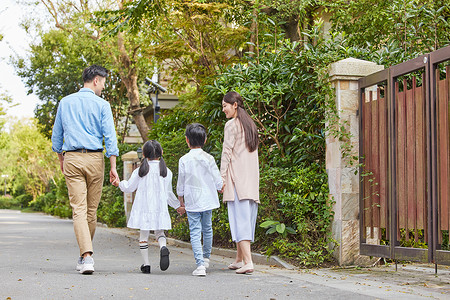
(152,150)
(250,130)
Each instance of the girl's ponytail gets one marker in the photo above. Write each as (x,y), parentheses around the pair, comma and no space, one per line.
(144,168)
(162,167)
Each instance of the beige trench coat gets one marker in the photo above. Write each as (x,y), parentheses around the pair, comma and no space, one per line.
(239,167)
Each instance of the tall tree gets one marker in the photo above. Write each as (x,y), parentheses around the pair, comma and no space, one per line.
(27,159)
(121,53)
(190,40)
(53,70)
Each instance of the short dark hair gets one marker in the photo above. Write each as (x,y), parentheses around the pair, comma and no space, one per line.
(92,71)
(196,134)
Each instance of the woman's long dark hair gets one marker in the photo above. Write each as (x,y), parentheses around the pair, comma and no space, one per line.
(152,150)
(250,130)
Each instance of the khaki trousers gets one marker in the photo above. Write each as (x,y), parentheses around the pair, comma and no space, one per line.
(84,174)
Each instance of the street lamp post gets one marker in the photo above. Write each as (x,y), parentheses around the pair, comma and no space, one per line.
(139,153)
(154,88)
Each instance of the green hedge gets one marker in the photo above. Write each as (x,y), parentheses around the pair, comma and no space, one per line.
(9,203)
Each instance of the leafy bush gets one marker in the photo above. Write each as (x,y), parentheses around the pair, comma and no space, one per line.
(56,202)
(110,209)
(24,199)
(9,203)
(306,208)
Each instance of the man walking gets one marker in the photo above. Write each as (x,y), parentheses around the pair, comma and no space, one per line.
(83,120)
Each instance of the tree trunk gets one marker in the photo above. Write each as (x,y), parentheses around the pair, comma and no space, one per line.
(129,77)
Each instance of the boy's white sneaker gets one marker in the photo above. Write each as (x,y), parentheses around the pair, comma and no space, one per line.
(200,271)
(206,262)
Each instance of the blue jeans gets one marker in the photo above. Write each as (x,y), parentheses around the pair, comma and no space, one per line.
(200,223)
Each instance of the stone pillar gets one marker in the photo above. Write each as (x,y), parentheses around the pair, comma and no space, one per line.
(130,159)
(342,180)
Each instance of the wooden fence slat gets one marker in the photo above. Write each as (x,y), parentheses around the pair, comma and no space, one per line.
(420,158)
(446,97)
(367,123)
(410,162)
(401,183)
(375,165)
(443,135)
(383,162)
(370,168)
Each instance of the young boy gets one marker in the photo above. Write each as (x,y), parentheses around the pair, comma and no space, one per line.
(198,182)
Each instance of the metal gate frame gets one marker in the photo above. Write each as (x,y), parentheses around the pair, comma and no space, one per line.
(428,63)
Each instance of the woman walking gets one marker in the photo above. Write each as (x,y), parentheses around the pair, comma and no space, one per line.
(239,169)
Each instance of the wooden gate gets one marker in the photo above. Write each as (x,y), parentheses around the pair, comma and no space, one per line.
(405,160)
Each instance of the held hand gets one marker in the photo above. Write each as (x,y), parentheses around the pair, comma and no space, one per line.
(223,187)
(113,176)
(116,182)
(181,210)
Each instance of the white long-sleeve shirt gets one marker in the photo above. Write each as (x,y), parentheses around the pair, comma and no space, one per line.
(198,181)
(153,193)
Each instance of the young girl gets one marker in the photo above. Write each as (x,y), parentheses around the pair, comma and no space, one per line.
(239,168)
(153,185)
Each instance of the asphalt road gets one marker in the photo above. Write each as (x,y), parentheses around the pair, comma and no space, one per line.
(38,255)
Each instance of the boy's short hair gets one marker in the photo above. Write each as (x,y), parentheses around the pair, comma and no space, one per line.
(91,72)
(196,134)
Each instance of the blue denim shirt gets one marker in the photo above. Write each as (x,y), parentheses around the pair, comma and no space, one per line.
(82,121)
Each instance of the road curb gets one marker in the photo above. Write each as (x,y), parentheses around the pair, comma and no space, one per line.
(230,253)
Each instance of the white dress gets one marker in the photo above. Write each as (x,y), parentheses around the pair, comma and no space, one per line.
(153,193)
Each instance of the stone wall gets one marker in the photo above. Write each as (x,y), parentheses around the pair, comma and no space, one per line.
(129,160)
(343,182)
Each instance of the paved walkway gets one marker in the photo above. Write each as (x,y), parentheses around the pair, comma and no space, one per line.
(38,255)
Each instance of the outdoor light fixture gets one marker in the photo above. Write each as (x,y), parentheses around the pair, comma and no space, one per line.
(139,153)
(154,88)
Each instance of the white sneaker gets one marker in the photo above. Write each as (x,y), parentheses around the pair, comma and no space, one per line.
(79,263)
(200,271)
(206,262)
(88,265)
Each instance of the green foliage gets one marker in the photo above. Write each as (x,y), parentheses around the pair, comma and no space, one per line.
(9,203)
(24,199)
(192,39)
(392,31)
(111,210)
(27,159)
(56,201)
(284,92)
(276,226)
(54,67)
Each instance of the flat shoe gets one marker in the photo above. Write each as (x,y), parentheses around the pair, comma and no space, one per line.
(164,258)
(235,266)
(246,269)
(145,269)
